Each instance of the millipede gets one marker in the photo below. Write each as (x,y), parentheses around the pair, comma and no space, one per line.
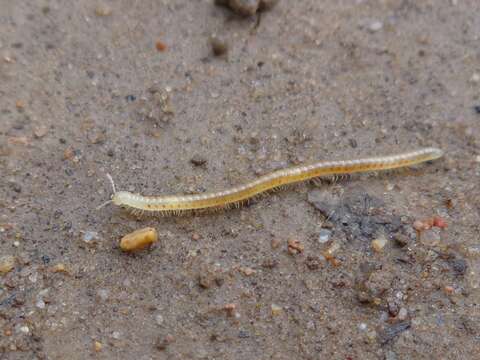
(235,196)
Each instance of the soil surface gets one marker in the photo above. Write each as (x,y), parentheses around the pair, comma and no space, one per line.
(187,96)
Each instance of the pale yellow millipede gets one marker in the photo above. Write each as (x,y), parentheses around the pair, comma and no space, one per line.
(176,204)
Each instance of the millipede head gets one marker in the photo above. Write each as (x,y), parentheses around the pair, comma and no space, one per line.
(121,198)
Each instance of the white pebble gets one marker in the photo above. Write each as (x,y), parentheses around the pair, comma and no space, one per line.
(362,326)
(90,236)
(40,304)
(116,335)
(103,294)
(383,316)
(24,329)
(159,319)
(475,78)
(375,26)
(33,277)
(324,236)
(402,314)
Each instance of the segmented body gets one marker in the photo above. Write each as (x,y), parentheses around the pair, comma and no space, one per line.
(174,204)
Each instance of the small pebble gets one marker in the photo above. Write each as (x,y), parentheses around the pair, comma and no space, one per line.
(9,59)
(313,262)
(247,7)
(7,263)
(402,314)
(160,46)
(477,109)
(246,271)
(43,292)
(324,236)
(116,335)
(97,346)
(24,329)
(266,5)
(379,243)
(275,243)
(401,239)
(40,304)
(163,342)
(449,290)
(390,355)
(420,225)
(242,334)
(90,237)
(103,10)
(241,7)
(459,266)
(19,104)
(195,236)
(393,307)
(139,239)
(475,78)
(208,276)
(15,187)
(219,46)
(390,332)
(276,310)
(473,251)
(59,268)
(329,253)
(295,247)
(439,222)
(362,326)
(18,140)
(33,277)
(159,319)
(103,294)
(375,26)
(40,131)
(270,263)
(198,160)
(431,238)
(230,309)
(371,335)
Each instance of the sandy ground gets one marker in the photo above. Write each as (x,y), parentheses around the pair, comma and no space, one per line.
(85,92)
